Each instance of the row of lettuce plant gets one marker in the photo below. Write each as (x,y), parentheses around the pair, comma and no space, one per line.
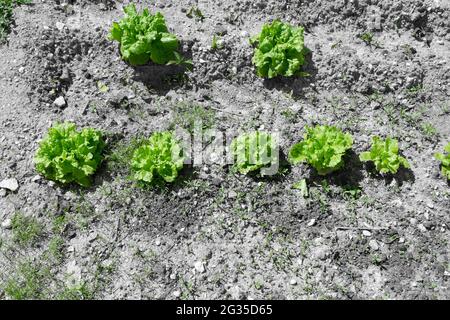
(144,37)
(68,155)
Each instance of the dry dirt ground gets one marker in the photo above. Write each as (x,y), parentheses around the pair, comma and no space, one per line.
(217,234)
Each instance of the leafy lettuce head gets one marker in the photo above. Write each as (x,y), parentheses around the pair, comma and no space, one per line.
(280,50)
(445,161)
(384,154)
(159,157)
(323,147)
(254,151)
(67,155)
(144,37)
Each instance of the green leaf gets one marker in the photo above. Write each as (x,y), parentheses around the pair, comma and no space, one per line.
(384,154)
(102,87)
(253,151)
(144,37)
(160,157)
(445,161)
(279,51)
(67,155)
(323,147)
(302,186)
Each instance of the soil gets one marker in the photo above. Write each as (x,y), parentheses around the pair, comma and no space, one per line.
(217,234)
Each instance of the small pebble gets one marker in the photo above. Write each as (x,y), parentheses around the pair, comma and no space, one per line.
(199,267)
(176,294)
(367,233)
(6,224)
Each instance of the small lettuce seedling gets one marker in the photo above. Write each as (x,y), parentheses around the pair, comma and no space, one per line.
(280,50)
(384,154)
(254,151)
(67,155)
(445,161)
(323,147)
(144,37)
(161,157)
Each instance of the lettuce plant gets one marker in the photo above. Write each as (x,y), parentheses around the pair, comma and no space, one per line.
(384,154)
(323,147)
(254,151)
(161,157)
(144,37)
(67,155)
(280,50)
(445,161)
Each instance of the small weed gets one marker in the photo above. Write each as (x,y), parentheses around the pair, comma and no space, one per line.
(26,229)
(376,259)
(195,12)
(367,37)
(415,89)
(258,285)
(290,115)
(189,116)
(216,43)
(120,156)
(428,130)
(445,108)
(55,248)
(369,40)
(336,44)
(76,292)
(6,15)
(28,282)
(181,61)
(59,224)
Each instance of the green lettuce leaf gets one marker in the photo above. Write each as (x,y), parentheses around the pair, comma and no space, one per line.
(159,157)
(253,151)
(445,161)
(279,51)
(67,155)
(144,37)
(384,154)
(323,147)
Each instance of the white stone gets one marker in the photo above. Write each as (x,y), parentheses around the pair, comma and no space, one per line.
(6,224)
(59,25)
(367,233)
(60,102)
(421,227)
(374,244)
(10,184)
(176,294)
(199,267)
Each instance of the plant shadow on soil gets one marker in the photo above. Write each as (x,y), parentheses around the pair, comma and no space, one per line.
(294,85)
(403,175)
(283,171)
(350,175)
(160,79)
